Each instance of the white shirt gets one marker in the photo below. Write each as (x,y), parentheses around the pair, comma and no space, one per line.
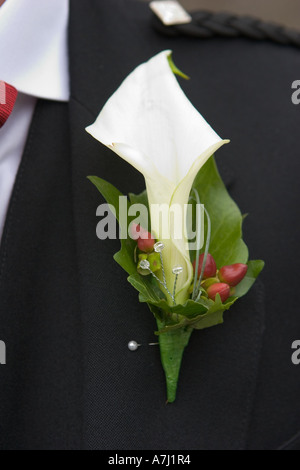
(34,59)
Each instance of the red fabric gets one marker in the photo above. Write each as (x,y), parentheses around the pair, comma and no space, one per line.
(8,96)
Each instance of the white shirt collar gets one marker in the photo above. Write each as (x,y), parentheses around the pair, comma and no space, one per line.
(33,47)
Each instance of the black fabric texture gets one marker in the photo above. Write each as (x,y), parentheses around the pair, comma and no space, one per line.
(67,310)
(40,386)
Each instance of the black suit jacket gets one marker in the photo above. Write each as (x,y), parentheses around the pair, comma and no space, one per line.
(67,311)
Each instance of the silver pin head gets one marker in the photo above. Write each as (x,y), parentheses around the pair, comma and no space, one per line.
(158,247)
(133,345)
(144,264)
(170,12)
(177,270)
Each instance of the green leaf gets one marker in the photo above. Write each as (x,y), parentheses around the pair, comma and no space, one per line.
(227,246)
(110,193)
(158,314)
(172,346)
(149,291)
(211,315)
(189,309)
(125,257)
(214,315)
(254,269)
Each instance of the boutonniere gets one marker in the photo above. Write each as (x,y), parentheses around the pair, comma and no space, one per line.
(181,239)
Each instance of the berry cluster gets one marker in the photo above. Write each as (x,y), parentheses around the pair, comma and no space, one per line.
(214,281)
(145,244)
(222,281)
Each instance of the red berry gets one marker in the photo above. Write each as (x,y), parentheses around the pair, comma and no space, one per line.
(233,274)
(144,239)
(210,266)
(146,242)
(220,288)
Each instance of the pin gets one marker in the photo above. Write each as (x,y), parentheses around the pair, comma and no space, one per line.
(144,264)
(177,270)
(158,247)
(133,345)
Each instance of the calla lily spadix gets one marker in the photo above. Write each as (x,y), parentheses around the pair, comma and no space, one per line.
(150,123)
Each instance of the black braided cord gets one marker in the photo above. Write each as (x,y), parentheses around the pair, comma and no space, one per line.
(207,25)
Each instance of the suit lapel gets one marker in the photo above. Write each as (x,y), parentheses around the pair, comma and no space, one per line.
(124,392)
(40,386)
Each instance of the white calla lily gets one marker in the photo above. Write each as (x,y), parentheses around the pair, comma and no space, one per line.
(150,123)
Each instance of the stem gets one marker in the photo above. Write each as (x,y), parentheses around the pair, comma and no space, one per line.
(208,235)
(172,345)
(198,235)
